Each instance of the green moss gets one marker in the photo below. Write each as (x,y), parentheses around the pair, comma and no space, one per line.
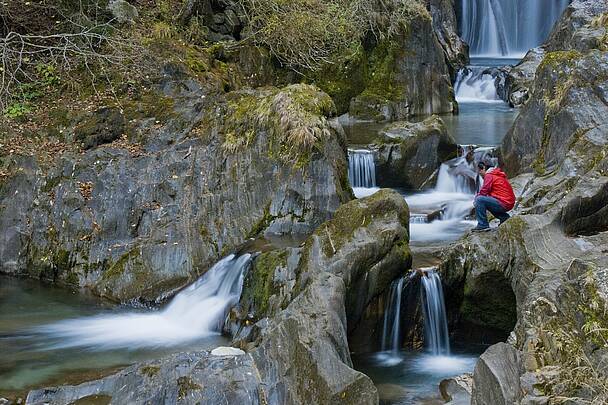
(260,285)
(381,83)
(559,60)
(293,119)
(149,371)
(262,224)
(185,385)
(117,269)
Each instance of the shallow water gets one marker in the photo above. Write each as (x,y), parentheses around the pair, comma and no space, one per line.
(480,123)
(409,378)
(29,359)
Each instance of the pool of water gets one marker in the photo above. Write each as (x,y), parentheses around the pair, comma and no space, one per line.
(480,123)
(30,359)
(412,378)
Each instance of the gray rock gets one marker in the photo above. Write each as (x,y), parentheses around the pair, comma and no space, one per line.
(496,376)
(457,390)
(123,11)
(138,227)
(409,153)
(560,115)
(520,78)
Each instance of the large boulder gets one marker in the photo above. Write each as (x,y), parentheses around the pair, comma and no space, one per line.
(300,354)
(565,117)
(221,169)
(496,377)
(409,153)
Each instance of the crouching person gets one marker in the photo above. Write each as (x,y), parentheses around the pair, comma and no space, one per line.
(496,195)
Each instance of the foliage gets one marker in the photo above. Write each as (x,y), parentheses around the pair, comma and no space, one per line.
(306,34)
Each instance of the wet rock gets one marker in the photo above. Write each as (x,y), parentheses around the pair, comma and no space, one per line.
(300,355)
(103,126)
(409,153)
(496,376)
(457,390)
(183,378)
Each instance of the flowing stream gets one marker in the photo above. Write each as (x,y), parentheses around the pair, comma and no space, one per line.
(51,336)
(362,172)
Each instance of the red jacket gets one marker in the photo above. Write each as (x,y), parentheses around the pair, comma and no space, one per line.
(496,184)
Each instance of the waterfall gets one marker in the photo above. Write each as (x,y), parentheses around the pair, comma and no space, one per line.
(391,332)
(196,312)
(475,84)
(361,168)
(435,321)
(499,28)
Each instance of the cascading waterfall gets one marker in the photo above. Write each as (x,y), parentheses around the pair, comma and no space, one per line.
(391,332)
(196,312)
(507,28)
(435,320)
(475,84)
(361,168)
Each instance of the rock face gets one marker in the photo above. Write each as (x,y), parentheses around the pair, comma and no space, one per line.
(301,354)
(411,77)
(520,78)
(551,257)
(445,25)
(136,227)
(409,153)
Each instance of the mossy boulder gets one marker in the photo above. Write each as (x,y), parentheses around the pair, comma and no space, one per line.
(410,153)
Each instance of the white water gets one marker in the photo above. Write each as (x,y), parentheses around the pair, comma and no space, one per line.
(391,331)
(198,311)
(474,85)
(507,28)
(361,168)
(435,320)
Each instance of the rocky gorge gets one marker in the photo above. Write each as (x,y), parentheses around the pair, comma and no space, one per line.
(237,153)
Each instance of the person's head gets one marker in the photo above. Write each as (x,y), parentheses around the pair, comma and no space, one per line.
(483,166)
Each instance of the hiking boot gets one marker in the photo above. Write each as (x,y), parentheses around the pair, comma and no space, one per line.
(479,229)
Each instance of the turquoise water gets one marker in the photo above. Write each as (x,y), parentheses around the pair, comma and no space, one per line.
(29,360)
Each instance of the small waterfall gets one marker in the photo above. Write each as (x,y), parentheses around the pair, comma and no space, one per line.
(476,84)
(435,321)
(500,28)
(391,332)
(361,168)
(196,312)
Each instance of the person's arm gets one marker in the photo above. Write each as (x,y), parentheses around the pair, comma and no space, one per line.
(487,185)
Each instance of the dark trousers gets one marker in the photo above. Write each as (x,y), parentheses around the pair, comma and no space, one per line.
(485,203)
